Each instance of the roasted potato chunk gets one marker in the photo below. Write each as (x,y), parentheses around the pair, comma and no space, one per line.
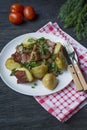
(61,61)
(29,76)
(39,71)
(60,58)
(50,81)
(28,41)
(11,64)
(58,48)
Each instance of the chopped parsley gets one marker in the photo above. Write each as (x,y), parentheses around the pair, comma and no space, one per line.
(41,41)
(12,72)
(34,85)
(31,64)
(53,68)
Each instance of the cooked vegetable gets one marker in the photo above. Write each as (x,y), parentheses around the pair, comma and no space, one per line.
(74,14)
(11,64)
(31,64)
(60,58)
(28,74)
(39,71)
(28,41)
(58,48)
(61,61)
(37,59)
(50,81)
(53,68)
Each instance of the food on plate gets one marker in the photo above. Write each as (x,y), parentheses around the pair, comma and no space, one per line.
(15,18)
(50,81)
(37,59)
(29,12)
(39,71)
(28,41)
(60,59)
(11,64)
(17,7)
(58,48)
(23,75)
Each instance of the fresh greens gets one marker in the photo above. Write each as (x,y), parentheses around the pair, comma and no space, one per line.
(31,64)
(74,14)
(53,68)
(44,48)
(41,41)
(12,72)
(53,56)
(31,40)
(34,85)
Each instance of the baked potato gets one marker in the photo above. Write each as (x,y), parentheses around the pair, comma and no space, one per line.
(61,61)
(60,58)
(29,76)
(28,41)
(50,81)
(39,71)
(58,48)
(11,64)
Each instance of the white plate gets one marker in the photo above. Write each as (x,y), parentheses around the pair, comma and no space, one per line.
(11,81)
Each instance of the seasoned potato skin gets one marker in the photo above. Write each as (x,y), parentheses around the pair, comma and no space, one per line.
(28,41)
(39,71)
(61,61)
(60,58)
(28,74)
(50,81)
(11,64)
(58,48)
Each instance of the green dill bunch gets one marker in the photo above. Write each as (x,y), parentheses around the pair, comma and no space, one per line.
(81,26)
(67,8)
(74,14)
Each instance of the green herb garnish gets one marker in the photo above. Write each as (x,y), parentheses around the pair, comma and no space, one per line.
(34,85)
(12,72)
(53,56)
(43,49)
(53,68)
(41,41)
(31,64)
(31,40)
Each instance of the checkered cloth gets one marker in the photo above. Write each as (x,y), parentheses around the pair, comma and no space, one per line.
(65,103)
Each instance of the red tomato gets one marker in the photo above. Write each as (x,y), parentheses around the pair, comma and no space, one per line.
(15,18)
(16,7)
(29,12)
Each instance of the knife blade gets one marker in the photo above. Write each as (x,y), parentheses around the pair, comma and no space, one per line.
(73,72)
(73,56)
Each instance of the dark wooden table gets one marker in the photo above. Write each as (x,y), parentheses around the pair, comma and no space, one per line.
(18,111)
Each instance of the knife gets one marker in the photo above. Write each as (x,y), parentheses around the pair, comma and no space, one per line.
(72,54)
(73,72)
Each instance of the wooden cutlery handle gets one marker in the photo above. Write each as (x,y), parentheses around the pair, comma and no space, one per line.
(81,77)
(75,78)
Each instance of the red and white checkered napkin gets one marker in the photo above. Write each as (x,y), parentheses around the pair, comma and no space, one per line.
(65,103)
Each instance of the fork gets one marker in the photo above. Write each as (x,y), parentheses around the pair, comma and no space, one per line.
(74,60)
